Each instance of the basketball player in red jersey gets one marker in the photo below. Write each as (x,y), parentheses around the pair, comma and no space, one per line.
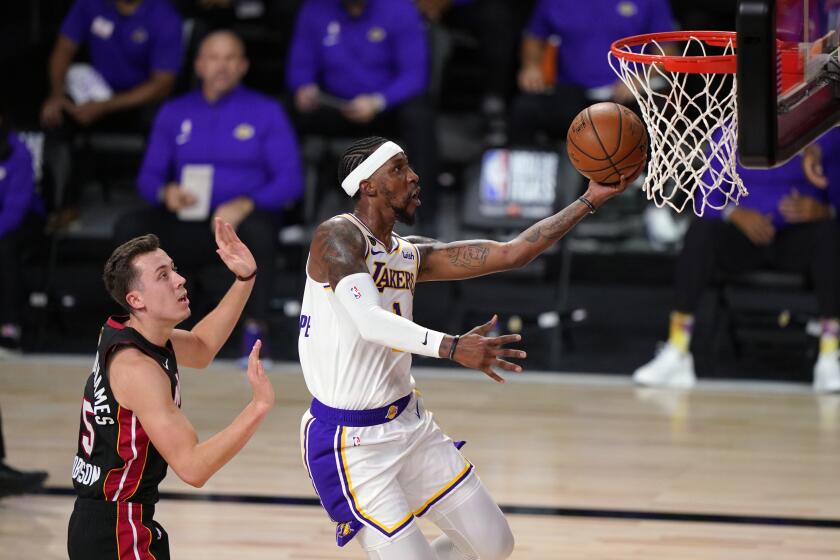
(131,426)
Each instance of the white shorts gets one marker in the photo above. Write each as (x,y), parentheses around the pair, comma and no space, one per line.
(381,476)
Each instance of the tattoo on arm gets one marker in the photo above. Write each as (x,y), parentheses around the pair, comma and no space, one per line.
(468,256)
(339,250)
(472,256)
(554,227)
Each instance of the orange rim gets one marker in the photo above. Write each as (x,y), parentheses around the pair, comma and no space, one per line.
(718,64)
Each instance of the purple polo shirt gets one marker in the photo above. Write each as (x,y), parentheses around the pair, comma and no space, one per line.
(767,187)
(17,188)
(245,136)
(382,51)
(587,28)
(126,50)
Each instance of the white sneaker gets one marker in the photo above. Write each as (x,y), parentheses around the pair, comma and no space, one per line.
(827,373)
(670,368)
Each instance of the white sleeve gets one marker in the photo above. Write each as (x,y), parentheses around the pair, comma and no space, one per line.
(359,296)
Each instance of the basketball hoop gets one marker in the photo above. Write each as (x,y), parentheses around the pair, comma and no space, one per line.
(693,134)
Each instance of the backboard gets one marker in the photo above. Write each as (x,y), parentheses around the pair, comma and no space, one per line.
(788,69)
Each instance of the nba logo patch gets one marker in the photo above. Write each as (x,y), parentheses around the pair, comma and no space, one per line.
(392,412)
(186,129)
(356,293)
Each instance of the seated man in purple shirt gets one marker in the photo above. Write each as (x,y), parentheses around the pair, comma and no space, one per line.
(244,146)
(360,68)
(582,33)
(785,223)
(21,222)
(135,48)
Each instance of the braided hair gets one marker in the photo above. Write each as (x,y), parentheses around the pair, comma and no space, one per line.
(355,154)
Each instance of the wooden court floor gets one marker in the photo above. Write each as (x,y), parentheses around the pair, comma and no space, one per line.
(587,467)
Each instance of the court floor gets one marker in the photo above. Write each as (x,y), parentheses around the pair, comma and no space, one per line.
(585,466)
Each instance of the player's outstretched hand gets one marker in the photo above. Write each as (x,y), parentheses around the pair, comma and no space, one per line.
(477,351)
(263,390)
(235,254)
(598,193)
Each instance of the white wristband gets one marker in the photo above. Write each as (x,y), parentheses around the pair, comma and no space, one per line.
(358,295)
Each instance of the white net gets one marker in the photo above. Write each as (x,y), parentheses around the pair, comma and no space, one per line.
(693,128)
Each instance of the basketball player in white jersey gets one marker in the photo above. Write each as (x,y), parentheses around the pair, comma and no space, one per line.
(376,457)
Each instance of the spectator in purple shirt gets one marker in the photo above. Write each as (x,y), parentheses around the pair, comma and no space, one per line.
(21,222)
(247,143)
(785,223)
(360,68)
(582,33)
(135,46)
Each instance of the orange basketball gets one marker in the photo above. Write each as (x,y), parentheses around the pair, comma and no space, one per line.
(606,140)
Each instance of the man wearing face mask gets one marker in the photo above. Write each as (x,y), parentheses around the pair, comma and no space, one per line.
(135,53)
(243,142)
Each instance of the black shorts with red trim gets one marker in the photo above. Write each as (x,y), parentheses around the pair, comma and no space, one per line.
(101,530)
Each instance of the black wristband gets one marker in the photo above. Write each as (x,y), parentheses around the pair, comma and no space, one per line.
(454,345)
(246,278)
(588,204)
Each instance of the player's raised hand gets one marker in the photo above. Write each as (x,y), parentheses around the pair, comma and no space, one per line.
(235,254)
(477,351)
(263,390)
(598,192)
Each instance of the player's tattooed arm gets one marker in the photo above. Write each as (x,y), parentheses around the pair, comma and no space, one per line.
(468,259)
(338,250)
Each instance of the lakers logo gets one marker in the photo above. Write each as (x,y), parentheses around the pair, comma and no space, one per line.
(627,9)
(344,529)
(140,35)
(385,277)
(243,132)
(392,412)
(376,35)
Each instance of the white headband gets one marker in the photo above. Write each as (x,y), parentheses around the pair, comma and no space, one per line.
(368,167)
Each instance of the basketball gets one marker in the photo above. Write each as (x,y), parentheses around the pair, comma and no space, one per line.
(606,140)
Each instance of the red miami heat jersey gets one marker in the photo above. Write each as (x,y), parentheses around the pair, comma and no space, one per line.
(116,461)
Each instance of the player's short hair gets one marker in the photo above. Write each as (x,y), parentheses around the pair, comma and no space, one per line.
(120,274)
(355,154)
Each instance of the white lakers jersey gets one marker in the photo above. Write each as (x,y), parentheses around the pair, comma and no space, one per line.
(341,369)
